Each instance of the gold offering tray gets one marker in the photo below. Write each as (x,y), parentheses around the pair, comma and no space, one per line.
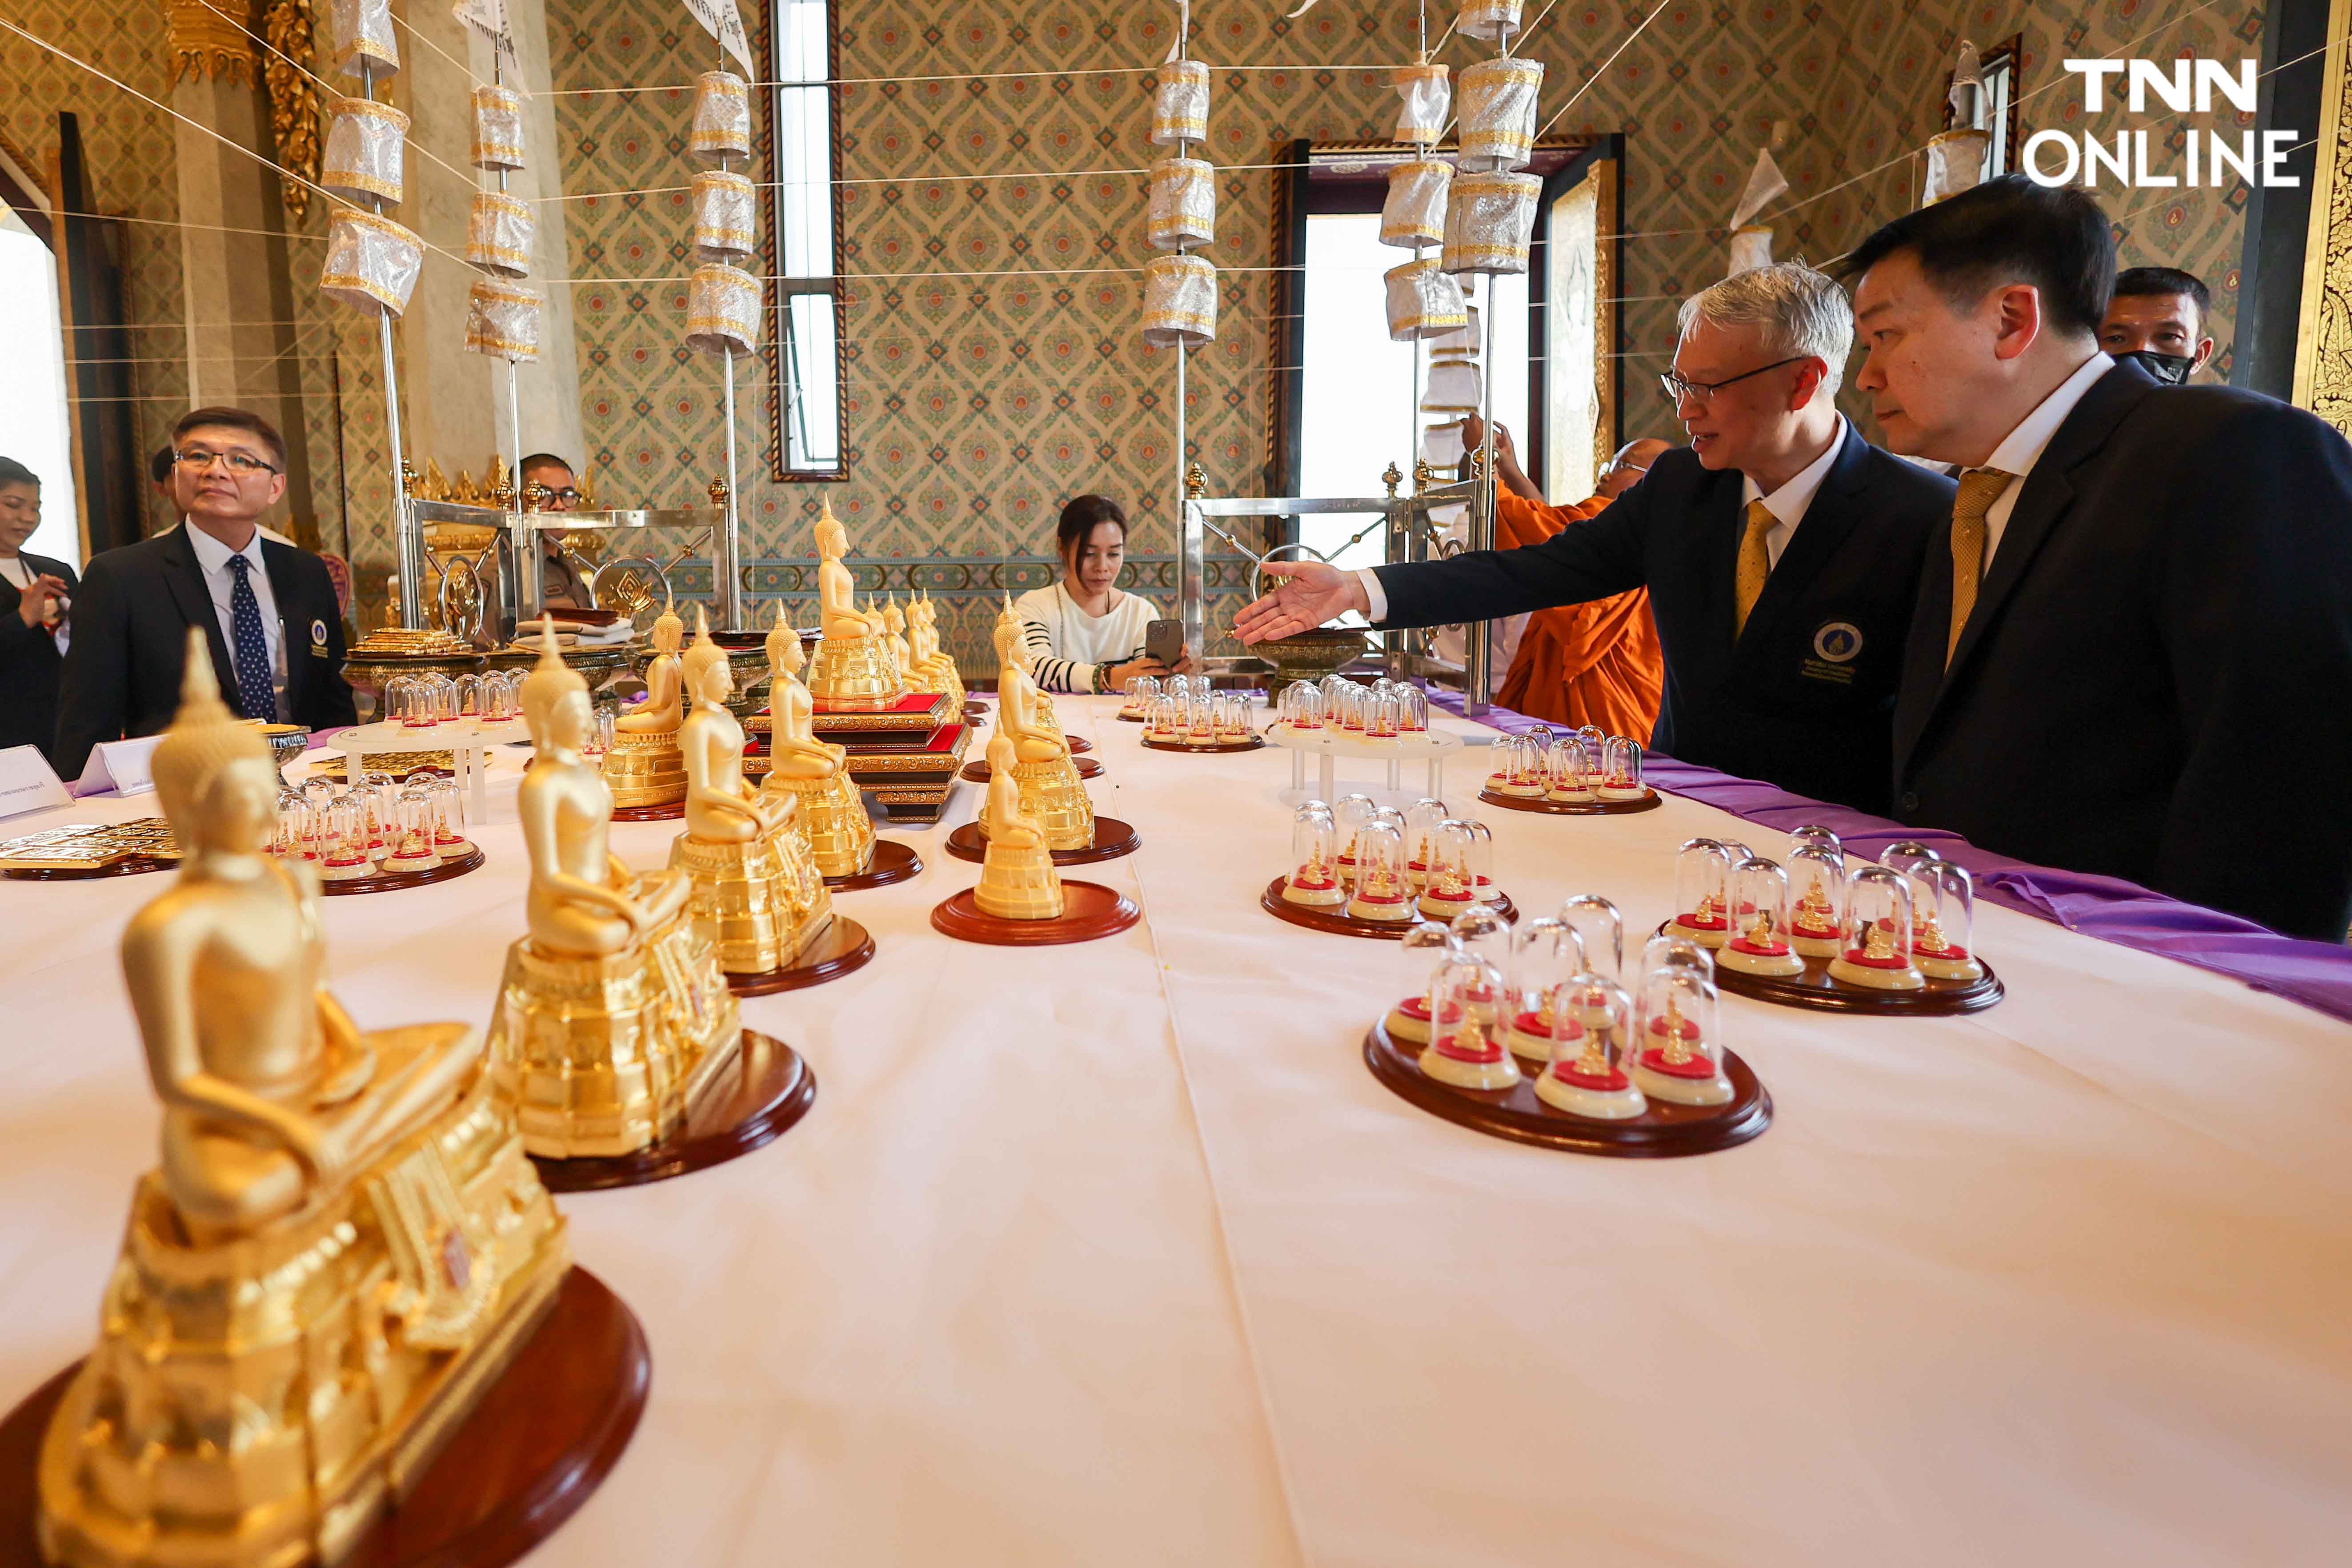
(92,849)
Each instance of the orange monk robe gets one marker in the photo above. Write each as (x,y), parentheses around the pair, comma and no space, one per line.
(1595,663)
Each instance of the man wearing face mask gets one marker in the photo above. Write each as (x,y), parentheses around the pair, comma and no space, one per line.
(2157,316)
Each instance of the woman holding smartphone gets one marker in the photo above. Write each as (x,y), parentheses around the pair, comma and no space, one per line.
(1083,634)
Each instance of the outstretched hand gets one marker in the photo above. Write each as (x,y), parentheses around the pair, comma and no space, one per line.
(1310,593)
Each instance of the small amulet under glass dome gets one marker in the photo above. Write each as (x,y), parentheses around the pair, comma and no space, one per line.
(1423,948)
(1759,942)
(1875,945)
(1314,877)
(1703,892)
(1678,1043)
(1467,1054)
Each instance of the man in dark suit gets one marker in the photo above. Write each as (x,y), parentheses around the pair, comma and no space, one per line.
(1781,551)
(2134,637)
(267,609)
(31,623)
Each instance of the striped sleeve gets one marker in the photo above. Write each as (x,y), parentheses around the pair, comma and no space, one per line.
(1050,672)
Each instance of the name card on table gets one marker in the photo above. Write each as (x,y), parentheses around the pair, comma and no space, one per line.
(119,766)
(28,782)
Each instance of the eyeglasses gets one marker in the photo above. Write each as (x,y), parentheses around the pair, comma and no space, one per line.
(1679,386)
(239,464)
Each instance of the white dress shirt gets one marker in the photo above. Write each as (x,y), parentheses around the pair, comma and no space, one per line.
(2023,448)
(220,581)
(1789,503)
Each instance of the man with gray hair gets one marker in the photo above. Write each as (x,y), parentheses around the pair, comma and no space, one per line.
(1781,550)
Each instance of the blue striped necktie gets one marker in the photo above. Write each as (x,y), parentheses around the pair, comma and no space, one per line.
(255,697)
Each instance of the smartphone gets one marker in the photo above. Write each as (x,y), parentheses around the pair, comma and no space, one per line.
(1164,640)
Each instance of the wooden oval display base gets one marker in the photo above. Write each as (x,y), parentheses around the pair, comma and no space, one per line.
(1663,1132)
(668,811)
(540,1440)
(1819,989)
(845,948)
(1219,749)
(1335,918)
(1132,719)
(973,712)
(129,866)
(1080,745)
(977,770)
(767,1089)
(892,862)
(1650,801)
(392,881)
(1089,911)
(1112,840)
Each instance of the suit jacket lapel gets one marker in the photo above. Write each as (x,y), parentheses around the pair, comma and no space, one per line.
(2048,492)
(185,579)
(1823,528)
(1721,521)
(278,560)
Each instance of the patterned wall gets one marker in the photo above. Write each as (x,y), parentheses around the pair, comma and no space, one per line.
(977,402)
(2201,230)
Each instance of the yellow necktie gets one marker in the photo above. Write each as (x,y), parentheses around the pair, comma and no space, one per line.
(1755,565)
(1979,488)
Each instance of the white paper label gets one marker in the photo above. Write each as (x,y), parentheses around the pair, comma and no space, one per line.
(119,766)
(723,22)
(28,782)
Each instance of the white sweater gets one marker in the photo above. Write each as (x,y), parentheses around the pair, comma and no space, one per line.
(1065,643)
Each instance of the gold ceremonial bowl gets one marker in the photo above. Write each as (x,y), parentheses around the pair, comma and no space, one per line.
(1309,655)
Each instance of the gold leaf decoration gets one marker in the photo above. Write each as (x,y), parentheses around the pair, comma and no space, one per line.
(292,28)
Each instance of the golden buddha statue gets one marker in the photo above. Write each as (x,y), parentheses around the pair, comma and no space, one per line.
(643,765)
(342,1243)
(613,1018)
(757,892)
(833,814)
(853,670)
(1017,879)
(894,628)
(1051,790)
(931,668)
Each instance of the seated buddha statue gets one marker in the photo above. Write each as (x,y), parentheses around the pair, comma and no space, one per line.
(326,1199)
(613,1018)
(894,629)
(757,892)
(643,764)
(814,774)
(853,670)
(930,669)
(1017,879)
(1051,790)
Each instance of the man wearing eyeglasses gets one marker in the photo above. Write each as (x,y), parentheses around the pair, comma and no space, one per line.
(1782,553)
(562,586)
(267,609)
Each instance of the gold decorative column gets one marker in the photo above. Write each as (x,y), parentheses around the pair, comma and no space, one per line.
(2322,352)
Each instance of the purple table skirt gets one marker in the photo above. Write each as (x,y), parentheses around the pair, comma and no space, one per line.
(2317,975)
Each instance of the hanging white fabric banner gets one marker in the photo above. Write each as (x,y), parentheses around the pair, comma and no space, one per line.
(723,22)
(489,17)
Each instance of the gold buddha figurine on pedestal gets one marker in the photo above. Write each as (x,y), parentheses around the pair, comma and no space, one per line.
(757,892)
(613,1018)
(801,767)
(930,668)
(1017,879)
(644,766)
(341,1245)
(854,670)
(1051,790)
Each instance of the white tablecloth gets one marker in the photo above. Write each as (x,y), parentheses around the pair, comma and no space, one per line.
(1116,1254)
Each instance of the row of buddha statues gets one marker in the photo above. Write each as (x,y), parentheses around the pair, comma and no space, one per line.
(344,1240)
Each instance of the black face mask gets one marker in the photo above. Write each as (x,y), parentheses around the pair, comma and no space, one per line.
(2170,369)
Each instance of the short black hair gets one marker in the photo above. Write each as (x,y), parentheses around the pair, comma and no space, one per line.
(226,418)
(159,467)
(1080,517)
(13,472)
(2008,230)
(2166,281)
(545,461)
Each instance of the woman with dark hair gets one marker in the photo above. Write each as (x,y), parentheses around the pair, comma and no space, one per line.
(33,633)
(1082,634)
